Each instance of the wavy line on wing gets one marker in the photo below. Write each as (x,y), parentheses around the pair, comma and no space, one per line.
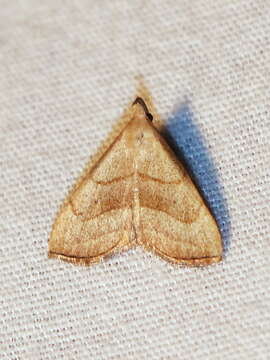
(143,176)
(169,237)
(96,216)
(172,216)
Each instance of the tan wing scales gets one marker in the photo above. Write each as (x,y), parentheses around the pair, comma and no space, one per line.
(174,220)
(96,220)
(136,191)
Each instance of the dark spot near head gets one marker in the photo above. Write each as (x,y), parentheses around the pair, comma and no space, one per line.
(140,101)
(150,116)
(77,240)
(139,137)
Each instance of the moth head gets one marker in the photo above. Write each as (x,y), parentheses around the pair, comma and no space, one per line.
(142,107)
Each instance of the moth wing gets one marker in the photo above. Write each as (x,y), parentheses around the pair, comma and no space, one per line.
(175,221)
(96,218)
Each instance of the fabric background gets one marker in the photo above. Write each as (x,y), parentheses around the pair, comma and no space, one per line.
(67,70)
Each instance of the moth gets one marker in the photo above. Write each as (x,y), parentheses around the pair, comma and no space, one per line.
(134,192)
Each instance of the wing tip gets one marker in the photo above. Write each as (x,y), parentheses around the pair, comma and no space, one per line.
(202,261)
(195,262)
(87,261)
(74,260)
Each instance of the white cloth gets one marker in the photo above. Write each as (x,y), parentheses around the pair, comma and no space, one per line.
(67,70)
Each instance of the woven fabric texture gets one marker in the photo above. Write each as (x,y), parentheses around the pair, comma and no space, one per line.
(67,70)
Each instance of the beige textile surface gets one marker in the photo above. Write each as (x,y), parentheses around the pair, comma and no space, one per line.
(67,70)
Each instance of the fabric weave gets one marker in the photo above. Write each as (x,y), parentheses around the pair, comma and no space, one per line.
(67,70)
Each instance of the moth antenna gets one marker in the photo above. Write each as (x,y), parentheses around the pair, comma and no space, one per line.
(140,101)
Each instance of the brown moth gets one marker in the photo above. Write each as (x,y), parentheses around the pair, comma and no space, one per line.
(135,192)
